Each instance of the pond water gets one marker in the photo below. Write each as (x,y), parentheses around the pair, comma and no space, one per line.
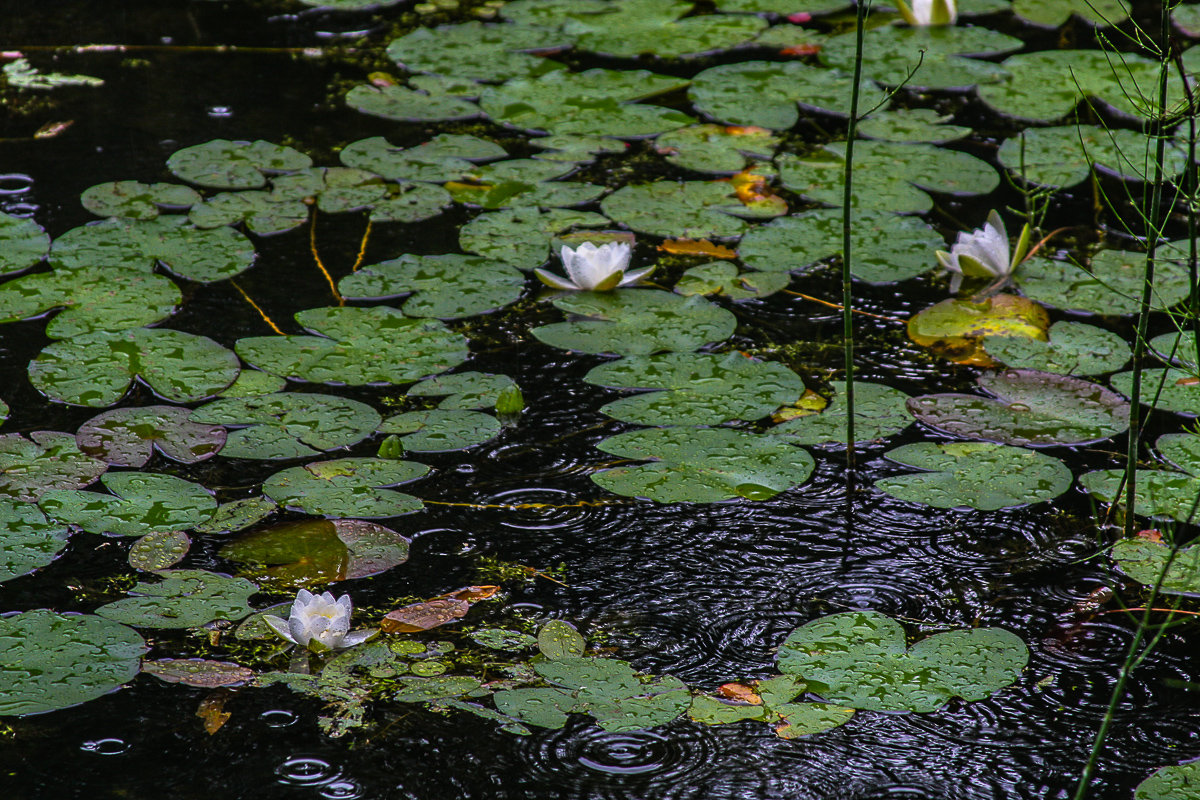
(702,582)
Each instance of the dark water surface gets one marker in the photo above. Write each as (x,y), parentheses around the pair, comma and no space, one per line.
(702,592)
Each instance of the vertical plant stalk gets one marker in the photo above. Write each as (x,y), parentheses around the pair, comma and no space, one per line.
(860,19)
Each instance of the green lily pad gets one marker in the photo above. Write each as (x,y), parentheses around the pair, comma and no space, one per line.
(1053,13)
(1064,155)
(1049,84)
(1179,393)
(611,691)
(559,641)
(1176,782)
(289,424)
(46,460)
(1029,409)
(1074,348)
(767,93)
(50,661)
(347,487)
(722,278)
(108,300)
(521,236)
(935,56)
(410,202)
(522,182)
(885,247)
(358,346)
(222,164)
(441,430)
(317,551)
(780,7)
(140,503)
(446,287)
(237,515)
(201,255)
(596,102)
(184,598)
(1113,285)
(465,390)
(701,389)
(711,711)
(541,707)
(128,437)
(137,200)
(408,105)
(575,148)
(157,551)
(30,540)
(500,639)
(630,28)
(23,243)
(879,412)
(420,690)
(685,209)
(264,213)
(1176,348)
(1187,18)
(911,125)
(1160,493)
(977,475)
(476,51)
(887,176)
(860,659)
(636,322)
(445,157)
(697,465)
(1147,563)
(97,369)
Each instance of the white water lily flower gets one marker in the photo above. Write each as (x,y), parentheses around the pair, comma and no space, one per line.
(928,12)
(318,622)
(596,269)
(983,253)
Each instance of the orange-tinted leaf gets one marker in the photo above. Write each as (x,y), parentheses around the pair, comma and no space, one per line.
(691,247)
(809,403)
(1188,381)
(954,329)
(471,594)
(746,130)
(1150,535)
(423,616)
(739,692)
(212,711)
(801,50)
(755,192)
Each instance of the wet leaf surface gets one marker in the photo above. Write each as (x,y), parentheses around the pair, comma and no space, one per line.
(158,551)
(441,430)
(879,412)
(203,673)
(129,437)
(317,551)
(46,460)
(1074,348)
(347,487)
(140,503)
(446,287)
(288,424)
(30,540)
(183,598)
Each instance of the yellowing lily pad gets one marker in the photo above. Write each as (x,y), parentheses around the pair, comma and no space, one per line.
(317,551)
(955,329)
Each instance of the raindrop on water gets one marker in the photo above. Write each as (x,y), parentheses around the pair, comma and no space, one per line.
(105,747)
(278,718)
(306,771)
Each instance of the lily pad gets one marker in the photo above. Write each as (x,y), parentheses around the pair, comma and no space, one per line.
(23,243)
(157,551)
(347,487)
(446,287)
(409,105)
(237,515)
(1053,13)
(575,148)
(128,437)
(1074,348)
(50,661)
(46,460)
(441,430)
(595,102)
(465,390)
(410,202)
(420,690)
(887,176)
(500,639)
(630,28)
(1176,782)
(558,640)
(264,213)
(885,247)
(1064,155)
(1179,391)
(977,475)
(860,659)
(358,346)
(879,412)
(1160,493)
(911,125)
(1029,409)
(289,424)
(722,278)
(184,598)
(108,300)
(685,209)
(317,551)
(137,200)
(140,503)
(521,236)
(199,672)
(30,540)
(477,51)
(701,389)
(767,93)
(636,322)
(97,369)
(691,465)
(201,255)
(956,329)
(934,56)
(1111,285)
(522,182)
(222,164)
(445,157)
(1147,563)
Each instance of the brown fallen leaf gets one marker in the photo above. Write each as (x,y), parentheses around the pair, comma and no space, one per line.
(423,616)
(212,710)
(690,247)
(801,50)
(198,672)
(1150,535)
(471,594)
(52,129)
(739,692)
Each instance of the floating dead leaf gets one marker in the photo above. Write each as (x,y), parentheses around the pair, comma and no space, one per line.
(198,672)
(212,711)
(1188,381)
(423,616)
(691,247)
(1150,535)
(954,329)
(472,594)
(739,692)
(755,192)
(52,129)
(801,50)
(381,79)
(809,403)
(1092,603)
